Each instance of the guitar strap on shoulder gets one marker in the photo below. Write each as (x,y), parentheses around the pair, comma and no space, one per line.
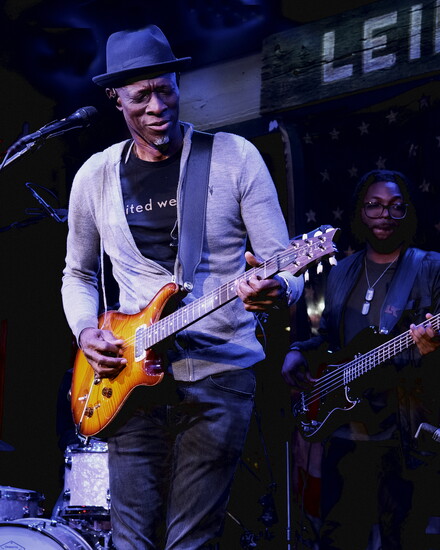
(400,288)
(194,199)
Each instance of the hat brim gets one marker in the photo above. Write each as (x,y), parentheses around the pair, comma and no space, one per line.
(120,78)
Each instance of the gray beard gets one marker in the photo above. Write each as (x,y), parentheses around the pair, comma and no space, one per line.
(162,142)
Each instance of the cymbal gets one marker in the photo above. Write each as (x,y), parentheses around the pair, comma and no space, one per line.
(5,446)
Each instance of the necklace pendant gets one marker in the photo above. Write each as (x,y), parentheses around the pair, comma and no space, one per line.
(365,308)
(369,294)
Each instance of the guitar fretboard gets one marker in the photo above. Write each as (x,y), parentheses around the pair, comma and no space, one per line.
(295,255)
(366,362)
(342,375)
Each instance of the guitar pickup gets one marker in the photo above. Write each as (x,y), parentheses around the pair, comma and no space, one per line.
(140,351)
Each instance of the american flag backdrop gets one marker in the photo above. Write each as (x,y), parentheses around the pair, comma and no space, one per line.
(402,133)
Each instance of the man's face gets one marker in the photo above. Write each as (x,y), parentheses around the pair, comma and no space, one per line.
(151,109)
(384,233)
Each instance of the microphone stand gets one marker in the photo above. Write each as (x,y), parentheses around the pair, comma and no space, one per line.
(8,160)
(59,214)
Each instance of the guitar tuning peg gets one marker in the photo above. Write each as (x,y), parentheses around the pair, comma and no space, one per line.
(306,276)
(319,268)
(317,233)
(332,260)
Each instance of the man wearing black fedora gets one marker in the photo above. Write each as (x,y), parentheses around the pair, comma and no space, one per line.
(172,206)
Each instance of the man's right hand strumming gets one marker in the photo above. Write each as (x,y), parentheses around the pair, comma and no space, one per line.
(103,351)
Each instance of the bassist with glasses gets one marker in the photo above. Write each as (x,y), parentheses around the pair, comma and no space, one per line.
(374,475)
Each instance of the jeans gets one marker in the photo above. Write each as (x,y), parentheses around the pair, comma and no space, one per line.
(172,464)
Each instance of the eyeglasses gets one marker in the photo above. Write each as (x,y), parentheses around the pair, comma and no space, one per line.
(396,211)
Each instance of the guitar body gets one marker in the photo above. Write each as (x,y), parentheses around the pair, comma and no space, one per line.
(326,412)
(326,406)
(96,401)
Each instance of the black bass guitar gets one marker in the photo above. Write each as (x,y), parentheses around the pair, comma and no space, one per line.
(323,408)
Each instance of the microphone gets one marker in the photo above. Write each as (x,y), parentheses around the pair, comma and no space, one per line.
(81,118)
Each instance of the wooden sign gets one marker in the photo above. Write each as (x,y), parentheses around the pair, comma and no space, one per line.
(375,45)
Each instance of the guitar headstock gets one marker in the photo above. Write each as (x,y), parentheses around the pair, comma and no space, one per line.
(312,248)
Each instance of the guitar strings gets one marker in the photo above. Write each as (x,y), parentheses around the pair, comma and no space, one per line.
(364,361)
(152,331)
(271,265)
(358,366)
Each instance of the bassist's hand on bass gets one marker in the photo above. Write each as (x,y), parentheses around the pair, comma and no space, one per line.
(295,371)
(425,337)
(103,351)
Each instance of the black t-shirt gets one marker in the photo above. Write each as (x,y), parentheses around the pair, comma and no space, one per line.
(149,191)
(374,417)
(354,321)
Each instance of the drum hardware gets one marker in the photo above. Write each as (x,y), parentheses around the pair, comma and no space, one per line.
(41,534)
(18,503)
(84,504)
(86,481)
(97,534)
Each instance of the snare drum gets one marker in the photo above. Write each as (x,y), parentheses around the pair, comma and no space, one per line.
(19,503)
(40,534)
(86,482)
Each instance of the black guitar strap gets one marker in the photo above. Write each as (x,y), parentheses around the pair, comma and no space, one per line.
(194,198)
(400,288)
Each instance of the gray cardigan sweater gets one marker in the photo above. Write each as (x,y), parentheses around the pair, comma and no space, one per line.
(242,201)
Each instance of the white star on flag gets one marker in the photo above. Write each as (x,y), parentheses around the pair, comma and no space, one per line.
(413,148)
(353,171)
(325,175)
(363,128)
(424,186)
(338,213)
(391,117)
(424,102)
(311,216)
(380,163)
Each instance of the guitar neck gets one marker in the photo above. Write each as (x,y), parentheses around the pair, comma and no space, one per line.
(366,362)
(187,315)
(294,258)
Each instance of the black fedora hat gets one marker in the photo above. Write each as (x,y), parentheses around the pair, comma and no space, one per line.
(139,53)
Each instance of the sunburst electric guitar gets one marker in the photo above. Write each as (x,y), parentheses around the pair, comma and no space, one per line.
(339,387)
(96,401)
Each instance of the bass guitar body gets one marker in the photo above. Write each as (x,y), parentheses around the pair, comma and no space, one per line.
(340,386)
(96,401)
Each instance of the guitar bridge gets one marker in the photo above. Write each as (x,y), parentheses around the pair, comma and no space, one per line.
(300,406)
